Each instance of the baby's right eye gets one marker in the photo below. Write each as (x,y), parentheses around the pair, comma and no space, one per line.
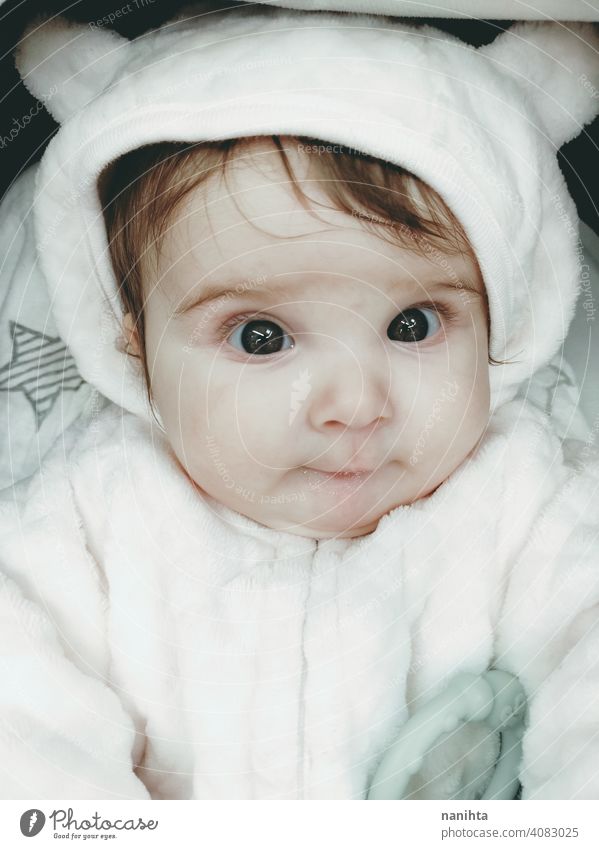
(260,336)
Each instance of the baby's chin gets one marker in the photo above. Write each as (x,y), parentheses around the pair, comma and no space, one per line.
(345,522)
(351,533)
(345,519)
(317,530)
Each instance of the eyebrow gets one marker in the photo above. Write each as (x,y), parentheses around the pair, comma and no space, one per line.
(226,290)
(214,291)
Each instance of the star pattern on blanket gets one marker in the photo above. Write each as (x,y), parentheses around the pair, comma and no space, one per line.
(40,367)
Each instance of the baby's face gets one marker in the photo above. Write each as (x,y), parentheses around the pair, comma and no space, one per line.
(332,351)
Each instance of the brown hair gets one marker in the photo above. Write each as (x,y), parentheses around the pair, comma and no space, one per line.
(141,190)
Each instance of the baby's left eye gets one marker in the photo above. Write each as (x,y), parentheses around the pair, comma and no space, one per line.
(413,325)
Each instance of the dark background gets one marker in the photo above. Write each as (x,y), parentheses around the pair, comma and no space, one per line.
(579,159)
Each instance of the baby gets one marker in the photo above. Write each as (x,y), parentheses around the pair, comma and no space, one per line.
(350,306)
(319,491)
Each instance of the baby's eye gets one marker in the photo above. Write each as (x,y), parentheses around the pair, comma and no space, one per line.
(260,336)
(413,325)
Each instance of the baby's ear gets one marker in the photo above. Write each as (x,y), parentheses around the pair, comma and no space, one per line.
(130,336)
(66,64)
(559,64)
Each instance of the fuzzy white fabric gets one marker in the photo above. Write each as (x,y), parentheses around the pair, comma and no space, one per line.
(541,10)
(481,126)
(156,642)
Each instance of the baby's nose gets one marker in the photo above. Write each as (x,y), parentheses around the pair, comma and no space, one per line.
(352,395)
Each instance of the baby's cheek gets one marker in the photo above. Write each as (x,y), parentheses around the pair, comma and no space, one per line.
(473,388)
(263,424)
(207,409)
(451,403)
(467,413)
(169,375)
(237,417)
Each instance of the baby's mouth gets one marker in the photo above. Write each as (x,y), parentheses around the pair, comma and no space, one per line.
(317,477)
(342,474)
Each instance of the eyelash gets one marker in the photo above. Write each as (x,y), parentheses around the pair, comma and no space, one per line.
(445,312)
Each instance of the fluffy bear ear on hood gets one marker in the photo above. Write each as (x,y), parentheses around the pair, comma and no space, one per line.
(559,64)
(65,64)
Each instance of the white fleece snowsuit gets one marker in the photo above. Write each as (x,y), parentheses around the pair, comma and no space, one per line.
(154,643)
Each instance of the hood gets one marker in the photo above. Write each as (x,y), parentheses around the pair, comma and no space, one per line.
(481,126)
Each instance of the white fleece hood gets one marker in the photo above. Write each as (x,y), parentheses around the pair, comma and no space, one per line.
(481,126)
